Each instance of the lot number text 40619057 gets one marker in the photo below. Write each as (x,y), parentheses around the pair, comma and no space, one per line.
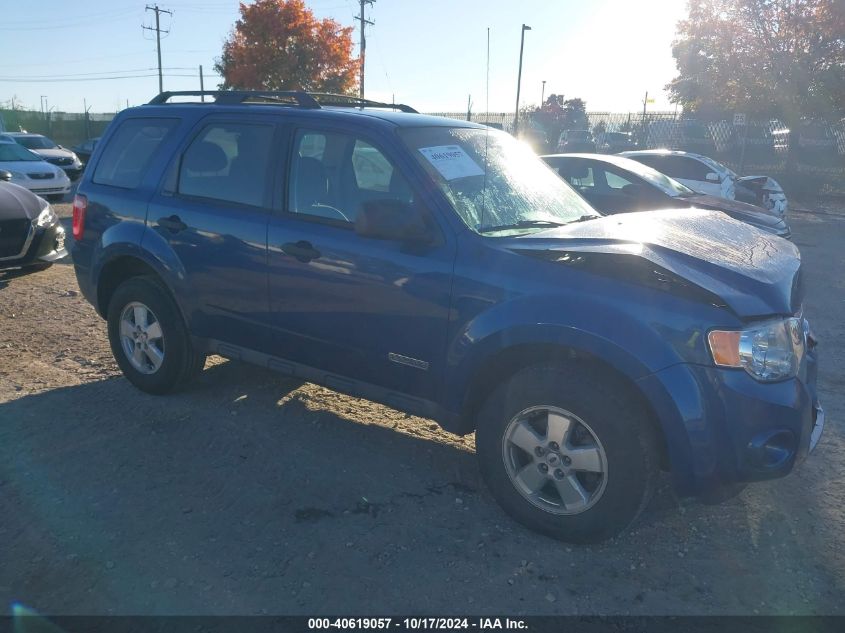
(417,624)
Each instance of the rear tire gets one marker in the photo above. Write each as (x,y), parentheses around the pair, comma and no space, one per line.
(586,487)
(149,339)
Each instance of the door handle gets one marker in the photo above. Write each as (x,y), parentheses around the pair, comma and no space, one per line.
(173,224)
(301,250)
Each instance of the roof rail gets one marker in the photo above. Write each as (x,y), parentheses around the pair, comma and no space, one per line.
(231,97)
(297,98)
(330,99)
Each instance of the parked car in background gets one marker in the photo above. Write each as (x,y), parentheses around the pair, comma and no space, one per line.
(50,151)
(705,175)
(615,184)
(31,235)
(85,149)
(614,142)
(458,279)
(31,171)
(816,143)
(688,135)
(765,142)
(533,136)
(576,141)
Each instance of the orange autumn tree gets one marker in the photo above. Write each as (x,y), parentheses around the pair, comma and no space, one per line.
(280,45)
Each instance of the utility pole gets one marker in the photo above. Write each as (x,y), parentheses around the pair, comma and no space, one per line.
(364,21)
(543,93)
(202,87)
(157,29)
(645,121)
(519,79)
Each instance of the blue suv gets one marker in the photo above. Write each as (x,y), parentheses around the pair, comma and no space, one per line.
(439,267)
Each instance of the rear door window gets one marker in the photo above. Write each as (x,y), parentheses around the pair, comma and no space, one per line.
(229,162)
(130,151)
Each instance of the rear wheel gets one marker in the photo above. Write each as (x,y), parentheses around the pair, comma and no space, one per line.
(148,338)
(566,453)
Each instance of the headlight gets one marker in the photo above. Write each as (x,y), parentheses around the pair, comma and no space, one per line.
(47,215)
(769,351)
(17,175)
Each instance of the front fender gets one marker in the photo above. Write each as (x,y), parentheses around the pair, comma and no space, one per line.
(634,345)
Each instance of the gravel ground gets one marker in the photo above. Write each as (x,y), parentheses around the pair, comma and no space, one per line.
(250,493)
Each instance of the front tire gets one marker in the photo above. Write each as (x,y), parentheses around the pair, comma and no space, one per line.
(149,339)
(567,452)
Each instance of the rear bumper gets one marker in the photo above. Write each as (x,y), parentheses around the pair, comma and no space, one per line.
(723,427)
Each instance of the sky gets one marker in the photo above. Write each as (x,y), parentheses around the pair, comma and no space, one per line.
(430,54)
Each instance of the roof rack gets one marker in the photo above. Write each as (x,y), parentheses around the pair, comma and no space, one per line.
(330,99)
(301,99)
(231,97)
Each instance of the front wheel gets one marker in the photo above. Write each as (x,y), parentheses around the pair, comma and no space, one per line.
(148,338)
(567,453)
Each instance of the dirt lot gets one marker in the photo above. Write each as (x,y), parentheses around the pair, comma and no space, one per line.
(250,493)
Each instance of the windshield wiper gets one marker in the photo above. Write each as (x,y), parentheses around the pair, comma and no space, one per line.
(584,218)
(524,224)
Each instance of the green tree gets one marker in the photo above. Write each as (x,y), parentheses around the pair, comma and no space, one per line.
(783,58)
(280,45)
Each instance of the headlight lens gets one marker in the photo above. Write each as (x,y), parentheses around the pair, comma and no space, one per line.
(769,351)
(47,215)
(17,175)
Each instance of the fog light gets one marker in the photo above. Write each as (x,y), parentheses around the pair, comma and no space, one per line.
(772,449)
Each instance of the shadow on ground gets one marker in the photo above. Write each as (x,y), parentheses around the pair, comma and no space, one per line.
(250,493)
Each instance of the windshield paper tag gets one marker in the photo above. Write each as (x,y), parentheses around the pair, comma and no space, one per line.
(451,161)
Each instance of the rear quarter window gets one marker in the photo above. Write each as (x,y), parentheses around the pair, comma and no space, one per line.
(130,151)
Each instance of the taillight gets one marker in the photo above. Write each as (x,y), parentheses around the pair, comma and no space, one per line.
(80,206)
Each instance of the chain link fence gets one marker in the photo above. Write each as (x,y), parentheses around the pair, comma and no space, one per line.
(807,158)
(65,128)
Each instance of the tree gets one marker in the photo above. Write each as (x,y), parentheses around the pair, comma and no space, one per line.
(575,114)
(770,58)
(280,45)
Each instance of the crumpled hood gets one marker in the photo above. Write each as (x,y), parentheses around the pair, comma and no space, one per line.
(17,203)
(752,272)
(742,211)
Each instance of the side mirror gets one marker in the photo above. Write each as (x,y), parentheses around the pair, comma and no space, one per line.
(5,175)
(391,219)
(712,177)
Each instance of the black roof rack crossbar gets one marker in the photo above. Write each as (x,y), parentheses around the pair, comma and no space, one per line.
(330,99)
(281,97)
(231,97)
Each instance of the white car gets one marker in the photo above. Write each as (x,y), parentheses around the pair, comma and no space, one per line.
(707,176)
(49,151)
(32,172)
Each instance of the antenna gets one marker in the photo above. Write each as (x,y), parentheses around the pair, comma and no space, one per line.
(487,87)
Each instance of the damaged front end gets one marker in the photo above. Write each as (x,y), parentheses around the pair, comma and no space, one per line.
(762,191)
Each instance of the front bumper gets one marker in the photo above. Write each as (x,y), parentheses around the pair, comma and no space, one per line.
(73,172)
(724,427)
(45,246)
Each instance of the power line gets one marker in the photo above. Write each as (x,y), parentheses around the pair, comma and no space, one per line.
(94,20)
(94,74)
(157,29)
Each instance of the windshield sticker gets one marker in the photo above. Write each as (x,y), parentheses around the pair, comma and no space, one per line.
(451,161)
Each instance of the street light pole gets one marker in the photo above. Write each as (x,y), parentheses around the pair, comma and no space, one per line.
(519,78)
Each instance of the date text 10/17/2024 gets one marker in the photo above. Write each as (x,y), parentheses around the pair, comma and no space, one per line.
(417,624)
